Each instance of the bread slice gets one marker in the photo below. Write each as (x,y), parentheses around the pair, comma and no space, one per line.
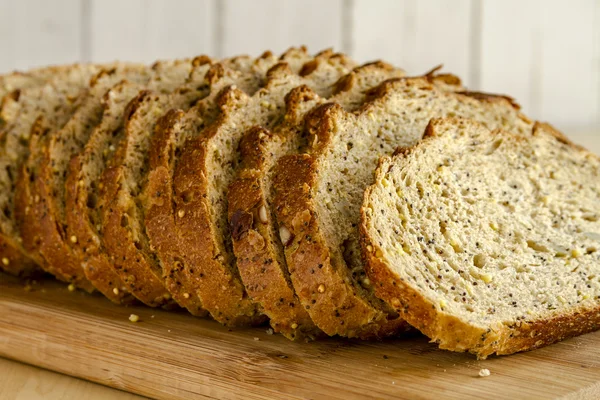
(56,245)
(318,195)
(31,110)
(209,261)
(256,245)
(19,80)
(487,241)
(82,206)
(124,237)
(165,147)
(41,182)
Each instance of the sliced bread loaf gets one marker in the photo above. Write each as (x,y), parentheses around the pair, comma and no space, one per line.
(49,187)
(82,190)
(318,195)
(56,244)
(486,241)
(122,220)
(42,226)
(256,241)
(166,145)
(199,214)
(34,109)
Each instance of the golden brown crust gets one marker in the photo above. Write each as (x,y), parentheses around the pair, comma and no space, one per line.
(259,242)
(135,266)
(96,265)
(221,292)
(314,269)
(53,247)
(177,196)
(14,260)
(159,227)
(257,259)
(31,208)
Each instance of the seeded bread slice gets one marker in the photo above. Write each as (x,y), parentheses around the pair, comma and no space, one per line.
(32,110)
(486,241)
(256,241)
(82,205)
(122,221)
(56,244)
(209,264)
(318,195)
(42,225)
(19,80)
(166,145)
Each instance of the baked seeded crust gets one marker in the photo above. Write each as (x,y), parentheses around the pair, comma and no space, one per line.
(216,280)
(124,233)
(256,244)
(82,192)
(19,80)
(165,147)
(31,112)
(328,275)
(56,244)
(448,330)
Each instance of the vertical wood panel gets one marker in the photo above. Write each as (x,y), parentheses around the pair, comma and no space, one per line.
(146,30)
(254,26)
(569,90)
(36,33)
(543,54)
(510,51)
(415,35)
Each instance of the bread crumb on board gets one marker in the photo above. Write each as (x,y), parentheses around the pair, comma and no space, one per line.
(483,372)
(256,339)
(71,287)
(134,318)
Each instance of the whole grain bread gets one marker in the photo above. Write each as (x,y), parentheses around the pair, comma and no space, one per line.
(82,189)
(32,111)
(487,241)
(256,244)
(217,282)
(318,194)
(56,244)
(125,238)
(165,146)
(40,185)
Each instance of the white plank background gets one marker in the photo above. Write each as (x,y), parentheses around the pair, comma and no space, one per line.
(545,53)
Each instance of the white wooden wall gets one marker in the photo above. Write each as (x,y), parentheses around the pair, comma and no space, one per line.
(545,53)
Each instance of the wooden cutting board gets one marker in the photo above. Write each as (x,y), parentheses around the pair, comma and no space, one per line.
(173,355)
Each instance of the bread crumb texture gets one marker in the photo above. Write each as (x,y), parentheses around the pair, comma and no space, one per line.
(495,231)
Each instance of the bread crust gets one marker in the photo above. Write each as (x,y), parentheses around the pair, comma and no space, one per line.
(14,260)
(296,178)
(333,304)
(134,265)
(97,266)
(257,248)
(31,207)
(61,81)
(257,258)
(166,212)
(158,219)
(448,331)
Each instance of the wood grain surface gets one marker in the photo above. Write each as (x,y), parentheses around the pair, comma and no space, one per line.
(25,382)
(173,355)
